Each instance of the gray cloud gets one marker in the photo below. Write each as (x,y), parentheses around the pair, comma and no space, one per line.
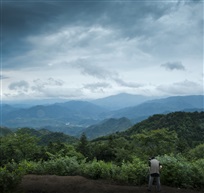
(97,87)
(145,21)
(21,19)
(91,41)
(93,70)
(127,84)
(50,92)
(3,77)
(52,88)
(19,86)
(39,84)
(181,88)
(173,66)
(101,73)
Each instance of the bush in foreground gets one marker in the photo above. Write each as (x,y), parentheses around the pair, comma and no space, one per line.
(10,176)
(179,172)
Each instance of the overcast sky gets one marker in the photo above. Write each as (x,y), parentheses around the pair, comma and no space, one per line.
(91,49)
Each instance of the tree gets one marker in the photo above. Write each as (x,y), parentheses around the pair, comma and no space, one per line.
(83,145)
(196,153)
(155,142)
(17,147)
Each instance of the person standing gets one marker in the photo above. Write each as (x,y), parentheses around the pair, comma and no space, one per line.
(154,173)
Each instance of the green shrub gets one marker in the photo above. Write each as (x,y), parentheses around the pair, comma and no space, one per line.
(59,166)
(31,167)
(10,176)
(179,172)
(128,173)
(99,170)
(196,153)
(134,172)
(198,173)
(62,166)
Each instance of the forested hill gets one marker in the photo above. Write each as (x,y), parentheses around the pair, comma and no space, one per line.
(4,131)
(188,126)
(107,127)
(43,136)
(176,139)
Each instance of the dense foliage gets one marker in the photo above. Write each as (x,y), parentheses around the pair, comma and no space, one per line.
(188,126)
(121,157)
(4,131)
(107,127)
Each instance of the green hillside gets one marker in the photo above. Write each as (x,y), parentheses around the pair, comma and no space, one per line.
(45,136)
(107,127)
(176,139)
(160,134)
(4,131)
(188,126)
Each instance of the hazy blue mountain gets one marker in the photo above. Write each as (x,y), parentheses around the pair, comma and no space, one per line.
(107,127)
(161,106)
(73,117)
(122,100)
(31,103)
(83,107)
(5,108)
(72,130)
(57,115)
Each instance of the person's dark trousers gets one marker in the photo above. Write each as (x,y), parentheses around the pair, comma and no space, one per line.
(151,179)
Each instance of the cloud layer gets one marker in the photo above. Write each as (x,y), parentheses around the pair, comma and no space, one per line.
(83,49)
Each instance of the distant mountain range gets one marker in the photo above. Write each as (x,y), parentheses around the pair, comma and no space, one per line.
(107,127)
(122,100)
(162,106)
(72,113)
(96,118)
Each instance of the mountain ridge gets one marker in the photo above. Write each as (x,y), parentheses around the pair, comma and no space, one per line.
(72,117)
(122,100)
(106,127)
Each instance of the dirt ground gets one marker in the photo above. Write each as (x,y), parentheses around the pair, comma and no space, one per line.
(78,184)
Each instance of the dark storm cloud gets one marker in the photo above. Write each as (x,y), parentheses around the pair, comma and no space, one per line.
(102,45)
(25,18)
(25,15)
(130,16)
(173,66)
